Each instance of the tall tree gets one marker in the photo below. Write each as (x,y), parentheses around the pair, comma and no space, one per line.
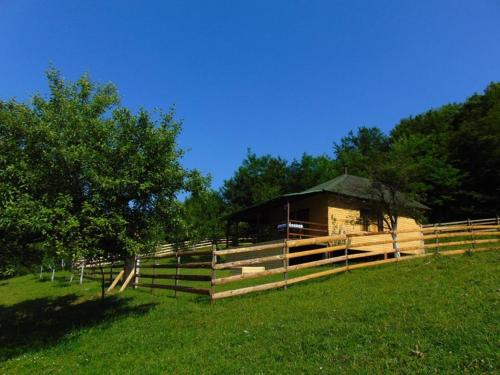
(357,150)
(395,184)
(464,139)
(474,148)
(98,179)
(259,178)
(203,212)
(311,170)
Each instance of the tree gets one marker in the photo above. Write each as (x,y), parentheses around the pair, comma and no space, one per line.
(258,179)
(99,180)
(311,170)
(395,184)
(203,212)
(466,139)
(357,150)
(474,148)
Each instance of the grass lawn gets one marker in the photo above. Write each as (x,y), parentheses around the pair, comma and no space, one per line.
(432,315)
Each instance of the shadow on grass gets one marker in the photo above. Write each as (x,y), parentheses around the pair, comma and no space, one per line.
(162,293)
(42,322)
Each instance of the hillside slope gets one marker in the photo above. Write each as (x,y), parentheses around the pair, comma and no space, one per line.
(439,314)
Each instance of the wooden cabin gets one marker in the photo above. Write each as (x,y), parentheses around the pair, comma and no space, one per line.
(343,205)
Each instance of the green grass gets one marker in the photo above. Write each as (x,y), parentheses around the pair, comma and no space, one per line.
(430,315)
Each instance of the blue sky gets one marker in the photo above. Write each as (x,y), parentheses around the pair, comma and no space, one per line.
(279,77)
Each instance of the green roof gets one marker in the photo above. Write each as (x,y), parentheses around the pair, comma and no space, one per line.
(346,185)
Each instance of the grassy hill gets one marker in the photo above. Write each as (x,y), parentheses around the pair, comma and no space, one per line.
(434,315)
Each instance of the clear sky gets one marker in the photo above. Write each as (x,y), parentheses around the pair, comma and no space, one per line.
(279,77)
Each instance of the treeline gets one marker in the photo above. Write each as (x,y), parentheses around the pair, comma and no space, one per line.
(448,158)
(83,176)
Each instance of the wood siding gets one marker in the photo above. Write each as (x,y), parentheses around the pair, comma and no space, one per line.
(344,216)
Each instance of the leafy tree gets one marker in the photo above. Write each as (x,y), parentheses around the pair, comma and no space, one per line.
(310,171)
(474,149)
(97,179)
(395,184)
(23,219)
(203,212)
(357,150)
(464,141)
(258,179)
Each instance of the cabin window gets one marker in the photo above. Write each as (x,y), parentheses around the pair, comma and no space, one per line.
(371,221)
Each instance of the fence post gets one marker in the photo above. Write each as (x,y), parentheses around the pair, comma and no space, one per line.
(422,241)
(177,272)
(137,272)
(213,276)
(72,272)
(347,245)
(154,271)
(285,263)
(111,271)
(41,272)
(53,273)
(436,233)
(81,272)
(473,238)
(385,249)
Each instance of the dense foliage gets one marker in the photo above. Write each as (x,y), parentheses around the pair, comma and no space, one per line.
(260,178)
(447,158)
(202,216)
(466,140)
(81,176)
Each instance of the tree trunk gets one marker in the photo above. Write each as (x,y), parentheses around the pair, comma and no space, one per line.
(129,266)
(394,235)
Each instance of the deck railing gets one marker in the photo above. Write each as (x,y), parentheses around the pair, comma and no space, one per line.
(299,229)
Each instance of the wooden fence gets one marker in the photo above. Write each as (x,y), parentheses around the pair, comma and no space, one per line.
(168,268)
(208,270)
(489,221)
(91,270)
(339,255)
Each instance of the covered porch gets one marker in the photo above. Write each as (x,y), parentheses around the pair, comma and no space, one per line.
(293,216)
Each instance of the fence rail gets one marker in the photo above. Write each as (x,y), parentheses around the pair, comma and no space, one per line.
(480,235)
(204,269)
(170,263)
(491,220)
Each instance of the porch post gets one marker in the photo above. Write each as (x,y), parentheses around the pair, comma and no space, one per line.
(257,230)
(287,220)
(228,227)
(237,238)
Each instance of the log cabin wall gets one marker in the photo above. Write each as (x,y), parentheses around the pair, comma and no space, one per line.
(344,216)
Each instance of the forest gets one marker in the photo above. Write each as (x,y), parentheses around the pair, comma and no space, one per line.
(447,158)
(83,176)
